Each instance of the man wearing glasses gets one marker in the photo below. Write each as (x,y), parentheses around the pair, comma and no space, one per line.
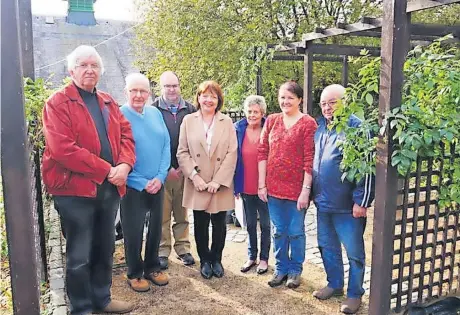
(341,207)
(145,186)
(174,108)
(88,154)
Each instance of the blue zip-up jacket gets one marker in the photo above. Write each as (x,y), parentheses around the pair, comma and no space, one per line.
(330,194)
(241,126)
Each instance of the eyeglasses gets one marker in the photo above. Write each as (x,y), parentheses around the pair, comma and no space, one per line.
(136,91)
(208,97)
(330,103)
(92,66)
(171,86)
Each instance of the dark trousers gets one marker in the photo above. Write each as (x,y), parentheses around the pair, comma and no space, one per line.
(253,205)
(134,207)
(89,230)
(219,231)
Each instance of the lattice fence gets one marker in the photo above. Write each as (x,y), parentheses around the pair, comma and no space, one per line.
(426,258)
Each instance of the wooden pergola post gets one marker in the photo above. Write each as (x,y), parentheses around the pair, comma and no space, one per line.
(15,168)
(308,81)
(395,43)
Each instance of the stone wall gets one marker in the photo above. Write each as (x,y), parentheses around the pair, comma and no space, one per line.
(54,39)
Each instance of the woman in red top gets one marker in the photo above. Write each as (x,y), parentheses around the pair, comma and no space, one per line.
(248,132)
(286,154)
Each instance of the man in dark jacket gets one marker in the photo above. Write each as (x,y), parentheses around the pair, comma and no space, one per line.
(341,207)
(88,154)
(174,108)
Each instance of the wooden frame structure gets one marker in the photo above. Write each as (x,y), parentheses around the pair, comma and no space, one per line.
(308,50)
(415,257)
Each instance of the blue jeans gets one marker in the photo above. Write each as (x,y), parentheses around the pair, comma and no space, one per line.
(251,205)
(288,235)
(334,229)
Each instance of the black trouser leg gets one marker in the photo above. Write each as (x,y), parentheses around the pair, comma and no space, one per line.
(103,245)
(219,231)
(133,210)
(201,225)
(152,246)
(77,215)
(85,220)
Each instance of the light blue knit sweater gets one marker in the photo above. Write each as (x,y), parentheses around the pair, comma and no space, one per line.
(153,154)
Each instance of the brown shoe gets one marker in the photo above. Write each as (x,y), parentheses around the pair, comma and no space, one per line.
(139,284)
(117,307)
(327,292)
(158,278)
(350,306)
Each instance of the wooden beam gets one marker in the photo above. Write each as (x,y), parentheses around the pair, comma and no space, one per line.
(341,50)
(419,5)
(367,24)
(395,45)
(301,58)
(259,81)
(433,30)
(335,31)
(345,71)
(15,168)
(308,81)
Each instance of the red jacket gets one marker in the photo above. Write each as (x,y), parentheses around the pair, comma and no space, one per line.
(71,163)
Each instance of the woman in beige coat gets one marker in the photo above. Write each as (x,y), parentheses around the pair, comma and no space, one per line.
(207,156)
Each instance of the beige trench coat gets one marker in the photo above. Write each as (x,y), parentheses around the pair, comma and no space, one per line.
(218,166)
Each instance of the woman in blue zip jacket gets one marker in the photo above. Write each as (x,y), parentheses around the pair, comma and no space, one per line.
(248,132)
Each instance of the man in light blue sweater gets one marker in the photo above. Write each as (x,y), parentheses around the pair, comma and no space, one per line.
(145,185)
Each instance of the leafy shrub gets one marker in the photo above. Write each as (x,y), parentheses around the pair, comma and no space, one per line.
(426,121)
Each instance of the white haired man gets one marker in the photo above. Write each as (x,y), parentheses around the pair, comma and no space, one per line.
(145,186)
(341,208)
(88,154)
(174,108)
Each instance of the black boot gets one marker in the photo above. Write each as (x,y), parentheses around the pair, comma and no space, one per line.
(217,269)
(206,270)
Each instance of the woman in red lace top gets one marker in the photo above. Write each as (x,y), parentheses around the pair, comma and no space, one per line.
(286,154)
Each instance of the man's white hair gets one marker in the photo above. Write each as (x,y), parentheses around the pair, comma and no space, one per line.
(81,52)
(255,100)
(136,78)
(337,89)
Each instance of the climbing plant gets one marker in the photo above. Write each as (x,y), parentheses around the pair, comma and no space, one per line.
(426,122)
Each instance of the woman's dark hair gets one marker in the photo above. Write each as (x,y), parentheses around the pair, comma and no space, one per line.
(293,87)
(213,87)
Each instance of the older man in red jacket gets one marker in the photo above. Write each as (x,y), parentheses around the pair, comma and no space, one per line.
(88,154)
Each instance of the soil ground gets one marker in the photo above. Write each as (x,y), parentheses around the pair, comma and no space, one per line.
(235,293)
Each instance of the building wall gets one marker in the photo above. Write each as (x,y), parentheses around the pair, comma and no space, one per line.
(54,41)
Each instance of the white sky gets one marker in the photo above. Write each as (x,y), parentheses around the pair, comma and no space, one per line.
(103,9)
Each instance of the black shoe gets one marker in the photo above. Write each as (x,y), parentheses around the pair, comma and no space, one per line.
(187,259)
(163,262)
(217,269)
(277,280)
(206,270)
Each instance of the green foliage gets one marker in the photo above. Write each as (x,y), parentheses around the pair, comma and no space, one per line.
(36,93)
(361,100)
(216,39)
(426,122)
(429,115)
